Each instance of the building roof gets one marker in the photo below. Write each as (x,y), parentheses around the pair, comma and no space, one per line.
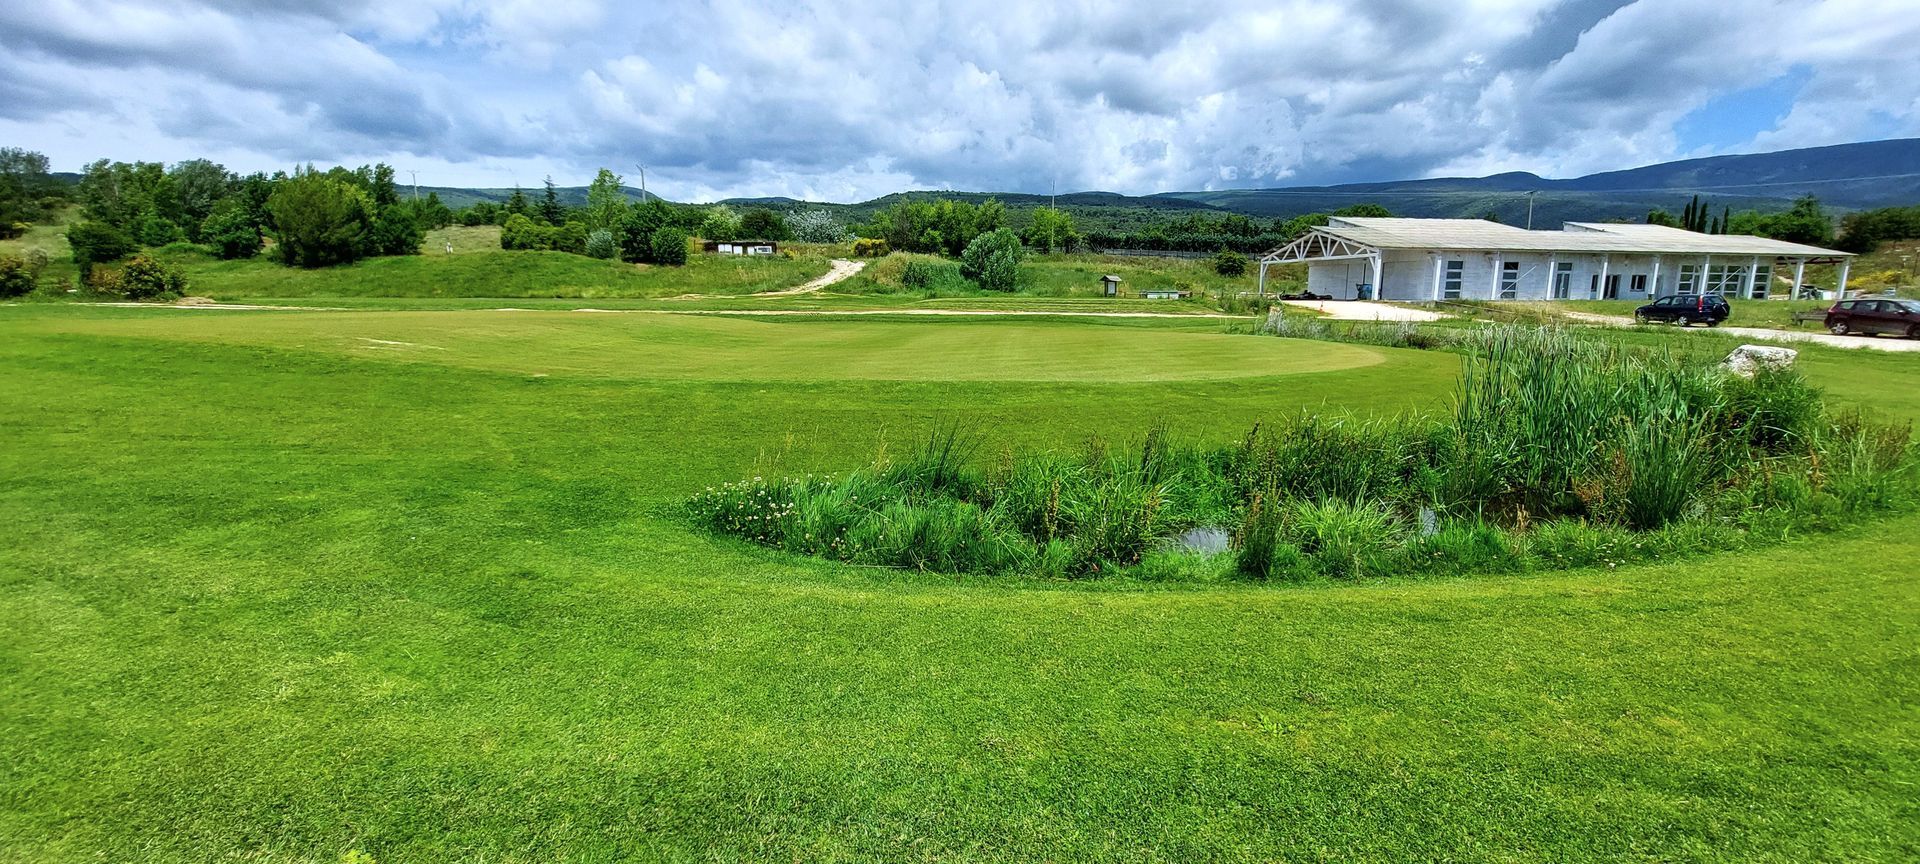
(1576,237)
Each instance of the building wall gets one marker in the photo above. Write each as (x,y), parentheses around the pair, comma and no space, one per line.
(1409,275)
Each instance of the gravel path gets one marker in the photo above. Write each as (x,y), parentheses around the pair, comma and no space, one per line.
(1365,310)
(838,271)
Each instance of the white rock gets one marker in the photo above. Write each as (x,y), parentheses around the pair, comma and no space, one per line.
(1747,360)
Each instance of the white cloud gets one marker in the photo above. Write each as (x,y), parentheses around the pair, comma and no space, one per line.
(847,100)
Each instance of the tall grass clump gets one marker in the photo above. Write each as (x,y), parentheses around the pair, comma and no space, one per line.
(1560,452)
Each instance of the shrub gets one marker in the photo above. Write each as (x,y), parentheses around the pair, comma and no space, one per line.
(1230,263)
(98,243)
(669,246)
(395,231)
(816,226)
(522,233)
(993,260)
(231,231)
(868,247)
(570,237)
(16,278)
(600,244)
(144,278)
(922,274)
(10,230)
(320,221)
(156,230)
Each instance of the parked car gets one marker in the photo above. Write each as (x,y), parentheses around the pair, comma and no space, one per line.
(1685,309)
(1882,315)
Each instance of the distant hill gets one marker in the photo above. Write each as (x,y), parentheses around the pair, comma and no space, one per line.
(1844,176)
(456,198)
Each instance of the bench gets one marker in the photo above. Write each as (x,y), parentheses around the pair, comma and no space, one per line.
(1815,315)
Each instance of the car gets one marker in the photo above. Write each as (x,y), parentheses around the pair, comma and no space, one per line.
(1685,309)
(1877,315)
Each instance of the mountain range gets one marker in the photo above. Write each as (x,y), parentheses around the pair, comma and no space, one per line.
(1844,176)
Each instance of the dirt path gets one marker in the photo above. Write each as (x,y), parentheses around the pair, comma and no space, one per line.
(1874,342)
(1364,310)
(839,270)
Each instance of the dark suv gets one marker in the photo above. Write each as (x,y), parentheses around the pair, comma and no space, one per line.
(1684,309)
(1883,315)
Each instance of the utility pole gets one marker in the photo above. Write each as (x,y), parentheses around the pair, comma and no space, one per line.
(1530,208)
(643,181)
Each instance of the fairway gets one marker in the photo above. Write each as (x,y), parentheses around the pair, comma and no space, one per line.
(275,591)
(644,345)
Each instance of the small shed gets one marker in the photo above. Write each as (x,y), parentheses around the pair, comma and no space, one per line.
(742,247)
(1110,285)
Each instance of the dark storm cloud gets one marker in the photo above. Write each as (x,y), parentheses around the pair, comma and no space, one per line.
(852,99)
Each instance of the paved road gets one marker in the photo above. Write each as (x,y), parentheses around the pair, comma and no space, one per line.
(1877,343)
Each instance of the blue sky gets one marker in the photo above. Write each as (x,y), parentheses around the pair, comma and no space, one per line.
(852,99)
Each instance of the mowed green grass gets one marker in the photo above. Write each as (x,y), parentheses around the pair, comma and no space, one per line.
(273,599)
(659,346)
(492,273)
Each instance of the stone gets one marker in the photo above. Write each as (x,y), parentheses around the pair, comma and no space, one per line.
(1747,360)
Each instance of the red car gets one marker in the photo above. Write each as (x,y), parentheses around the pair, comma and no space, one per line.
(1867,317)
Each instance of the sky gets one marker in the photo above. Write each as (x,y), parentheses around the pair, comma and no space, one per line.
(849,100)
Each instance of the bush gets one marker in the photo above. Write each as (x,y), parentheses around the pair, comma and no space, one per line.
(231,232)
(816,226)
(523,233)
(395,231)
(320,221)
(868,247)
(144,278)
(11,230)
(669,245)
(98,243)
(600,244)
(156,230)
(570,237)
(16,277)
(1230,263)
(923,274)
(993,260)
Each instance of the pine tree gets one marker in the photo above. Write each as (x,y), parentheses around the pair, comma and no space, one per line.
(517,202)
(550,209)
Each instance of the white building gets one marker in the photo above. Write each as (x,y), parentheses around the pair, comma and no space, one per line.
(1474,259)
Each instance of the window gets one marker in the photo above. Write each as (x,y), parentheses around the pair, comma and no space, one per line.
(1509,280)
(1455,278)
(1562,280)
(1724,280)
(1689,279)
(1638,285)
(1762,280)
(1593,287)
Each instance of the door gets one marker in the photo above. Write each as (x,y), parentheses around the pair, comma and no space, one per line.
(1613,287)
(1883,317)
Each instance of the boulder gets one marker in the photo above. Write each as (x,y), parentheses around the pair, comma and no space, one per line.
(1748,360)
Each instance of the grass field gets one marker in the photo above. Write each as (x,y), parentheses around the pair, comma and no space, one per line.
(415,585)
